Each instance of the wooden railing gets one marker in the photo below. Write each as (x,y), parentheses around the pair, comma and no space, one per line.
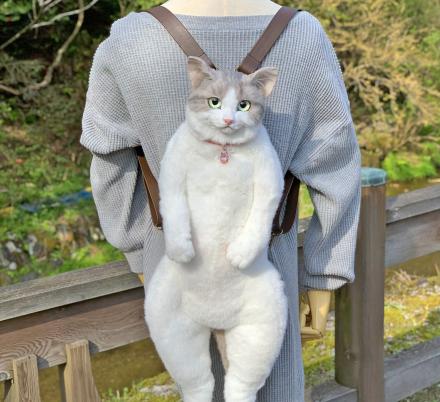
(61,320)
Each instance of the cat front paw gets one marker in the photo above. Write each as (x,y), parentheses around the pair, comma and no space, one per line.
(180,250)
(240,253)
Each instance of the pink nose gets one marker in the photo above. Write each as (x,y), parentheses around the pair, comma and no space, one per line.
(228,121)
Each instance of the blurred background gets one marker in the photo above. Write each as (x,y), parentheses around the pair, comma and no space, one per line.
(390,57)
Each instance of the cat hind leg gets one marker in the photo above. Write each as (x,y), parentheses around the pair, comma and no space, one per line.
(252,348)
(182,343)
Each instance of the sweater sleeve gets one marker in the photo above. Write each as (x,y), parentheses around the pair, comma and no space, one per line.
(328,161)
(117,188)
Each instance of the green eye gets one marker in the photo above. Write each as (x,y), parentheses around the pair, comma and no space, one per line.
(244,105)
(214,102)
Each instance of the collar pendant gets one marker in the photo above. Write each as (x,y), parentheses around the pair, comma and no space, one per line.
(224,155)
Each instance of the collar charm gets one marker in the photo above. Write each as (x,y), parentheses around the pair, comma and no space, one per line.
(224,155)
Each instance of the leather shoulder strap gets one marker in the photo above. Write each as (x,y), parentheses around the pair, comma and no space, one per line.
(151,186)
(290,197)
(179,32)
(276,26)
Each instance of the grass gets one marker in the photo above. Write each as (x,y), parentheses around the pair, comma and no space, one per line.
(68,237)
(156,389)
(412,315)
(37,170)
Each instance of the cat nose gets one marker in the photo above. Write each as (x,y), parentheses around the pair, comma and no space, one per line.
(228,121)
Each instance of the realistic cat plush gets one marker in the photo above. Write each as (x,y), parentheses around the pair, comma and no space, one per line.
(220,184)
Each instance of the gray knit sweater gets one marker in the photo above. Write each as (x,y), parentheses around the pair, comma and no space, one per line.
(137,91)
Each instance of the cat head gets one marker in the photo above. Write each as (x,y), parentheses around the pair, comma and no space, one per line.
(226,106)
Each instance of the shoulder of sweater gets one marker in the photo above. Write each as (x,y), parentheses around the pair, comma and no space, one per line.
(122,32)
(306,30)
(131,22)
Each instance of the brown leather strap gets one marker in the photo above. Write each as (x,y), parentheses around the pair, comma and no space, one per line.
(151,186)
(179,32)
(254,58)
(249,64)
(290,197)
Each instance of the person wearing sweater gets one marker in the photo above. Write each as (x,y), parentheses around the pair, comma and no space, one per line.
(138,85)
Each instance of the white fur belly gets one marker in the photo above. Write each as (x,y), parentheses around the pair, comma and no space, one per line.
(219,199)
(215,302)
(213,306)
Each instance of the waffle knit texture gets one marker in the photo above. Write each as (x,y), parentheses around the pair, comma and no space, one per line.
(138,86)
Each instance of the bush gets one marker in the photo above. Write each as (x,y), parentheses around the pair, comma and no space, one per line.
(407,166)
(391,69)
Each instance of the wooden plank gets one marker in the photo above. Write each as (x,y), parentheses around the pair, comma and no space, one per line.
(78,384)
(398,208)
(406,239)
(412,370)
(359,315)
(107,322)
(70,287)
(413,237)
(413,203)
(25,387)
(413,234)
(405,374)
(330,392)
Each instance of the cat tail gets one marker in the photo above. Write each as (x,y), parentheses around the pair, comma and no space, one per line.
(220,340)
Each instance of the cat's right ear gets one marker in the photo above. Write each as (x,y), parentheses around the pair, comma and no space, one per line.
(198,70)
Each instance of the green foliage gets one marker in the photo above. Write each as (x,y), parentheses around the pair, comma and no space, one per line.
(13,10)
(433,150)
(39,170)
(58,231)
(390,57)
(305,204)
(95,254)
(407,166)
(391,69)
(18,72)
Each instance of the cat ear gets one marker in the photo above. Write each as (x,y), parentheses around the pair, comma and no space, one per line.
(264,78)
(198,70)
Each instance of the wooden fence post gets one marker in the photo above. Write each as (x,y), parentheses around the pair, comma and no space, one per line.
(24,387)
(77,383)
(359,306)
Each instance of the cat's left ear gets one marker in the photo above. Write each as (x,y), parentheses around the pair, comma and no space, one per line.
(264,78)
(198,70)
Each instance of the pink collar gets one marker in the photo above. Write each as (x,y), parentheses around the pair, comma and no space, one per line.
(218,143)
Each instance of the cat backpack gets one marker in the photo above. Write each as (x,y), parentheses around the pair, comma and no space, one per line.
(250,63)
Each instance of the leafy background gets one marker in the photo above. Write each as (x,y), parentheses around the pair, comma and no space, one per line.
(390,56)
(389,53)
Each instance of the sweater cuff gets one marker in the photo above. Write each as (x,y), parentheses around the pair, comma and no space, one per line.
(135,260)
(321,282)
